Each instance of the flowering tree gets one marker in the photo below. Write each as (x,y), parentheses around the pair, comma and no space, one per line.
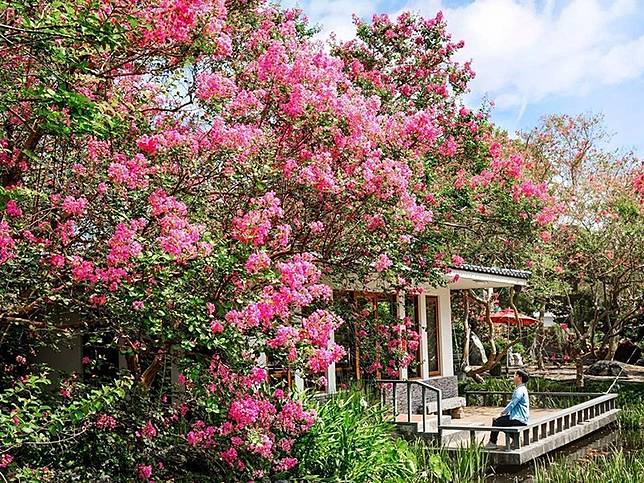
(179,178)
(590,269)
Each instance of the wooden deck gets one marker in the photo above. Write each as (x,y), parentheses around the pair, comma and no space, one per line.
(547,429)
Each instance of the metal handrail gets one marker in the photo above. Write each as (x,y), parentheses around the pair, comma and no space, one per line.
(507,394)
(424,388)
(535,393)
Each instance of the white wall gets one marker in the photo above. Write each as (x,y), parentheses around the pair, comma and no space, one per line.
(445,331)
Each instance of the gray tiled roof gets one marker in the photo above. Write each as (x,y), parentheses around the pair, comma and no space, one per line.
(506,272)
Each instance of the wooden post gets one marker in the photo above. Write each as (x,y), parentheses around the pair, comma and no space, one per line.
(424,347)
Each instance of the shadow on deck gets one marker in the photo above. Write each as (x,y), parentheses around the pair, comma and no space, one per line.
(548,428)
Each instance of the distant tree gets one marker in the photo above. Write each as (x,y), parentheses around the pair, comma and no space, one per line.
(590,270)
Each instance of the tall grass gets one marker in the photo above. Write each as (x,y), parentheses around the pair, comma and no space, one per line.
(618,467)
(352,441)
(631,401)
(466,465)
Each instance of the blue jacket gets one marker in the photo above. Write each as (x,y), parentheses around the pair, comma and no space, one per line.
(519,407)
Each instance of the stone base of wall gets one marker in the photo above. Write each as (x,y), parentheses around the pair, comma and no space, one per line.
(447,384)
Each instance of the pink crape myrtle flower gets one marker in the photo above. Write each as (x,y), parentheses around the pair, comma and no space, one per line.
(318,326)
(254,226)
(74,206)
(5,460)
(105,421)
(257,261)
(144,472)
(177,237)
(286,464)
(382,263)
(216,326)
(457,260)
(316,226)
(132,173)
(7,243)
(138,305)
(229,456)
(149,431)
(13,210)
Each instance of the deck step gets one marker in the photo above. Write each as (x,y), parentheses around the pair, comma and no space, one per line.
(453,436)
(446,404)
(416,425)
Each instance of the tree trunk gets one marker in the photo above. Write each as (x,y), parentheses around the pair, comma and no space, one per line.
(150,373)
(613,342)
(579,366)
(541,338)
(465,361)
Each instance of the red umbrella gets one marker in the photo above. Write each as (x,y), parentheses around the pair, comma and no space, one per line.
(506,316)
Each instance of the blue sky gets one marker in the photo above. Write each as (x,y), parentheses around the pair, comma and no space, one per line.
(533,57)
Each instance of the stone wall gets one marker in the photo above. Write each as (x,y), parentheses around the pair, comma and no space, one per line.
(448,385)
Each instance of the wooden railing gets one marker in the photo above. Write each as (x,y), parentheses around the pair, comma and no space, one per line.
(521,436)
(409,384)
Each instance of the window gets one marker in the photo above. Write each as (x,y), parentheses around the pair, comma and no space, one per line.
(411,310)
(431,310)
(381,307)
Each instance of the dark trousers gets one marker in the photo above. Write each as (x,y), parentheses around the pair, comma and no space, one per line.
(503,422)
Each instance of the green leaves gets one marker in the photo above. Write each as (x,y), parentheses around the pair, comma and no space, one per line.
(32,413)
(352,441)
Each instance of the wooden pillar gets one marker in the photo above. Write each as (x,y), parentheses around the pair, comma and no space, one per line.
(424,347)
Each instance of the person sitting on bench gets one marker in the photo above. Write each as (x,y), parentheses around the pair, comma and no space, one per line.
(517,411)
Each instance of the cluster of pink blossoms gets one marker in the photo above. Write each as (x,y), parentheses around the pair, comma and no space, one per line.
(177,236)
(5,460)
(316,333)
(254,227)
(176,21)
(257,261)
(132,173)
(6,242)
(382,263)
(298,288)
(74,206)
(257,425)
(105,421)
(123,245)
(13,210)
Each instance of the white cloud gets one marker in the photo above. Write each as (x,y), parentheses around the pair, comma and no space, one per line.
(523,51)
(335,16)
(623,62)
